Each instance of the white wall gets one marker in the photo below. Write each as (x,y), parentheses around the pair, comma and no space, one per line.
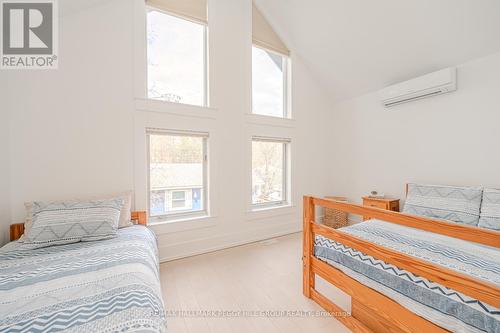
(71,127)
(4,169)
(76,132)
(448,139)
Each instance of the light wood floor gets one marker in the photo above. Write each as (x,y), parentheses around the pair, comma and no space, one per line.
(265,276)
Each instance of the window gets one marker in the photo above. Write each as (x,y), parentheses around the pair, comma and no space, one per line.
(269,83)
(176,59)
(177,174)
(178,199)
(269,172)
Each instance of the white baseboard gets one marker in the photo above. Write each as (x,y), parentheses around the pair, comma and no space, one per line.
(201,246)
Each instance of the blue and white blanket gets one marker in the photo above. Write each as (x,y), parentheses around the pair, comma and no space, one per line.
(443,306)
(103,286)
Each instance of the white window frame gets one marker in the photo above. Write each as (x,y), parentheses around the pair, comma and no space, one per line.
(178,214)
(286,68)
(285,201)
(205,55)
(184,200)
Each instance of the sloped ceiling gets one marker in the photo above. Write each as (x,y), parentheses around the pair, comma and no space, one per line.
(357,46)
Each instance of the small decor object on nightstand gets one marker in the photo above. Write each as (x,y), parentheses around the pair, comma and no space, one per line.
(375,194)
(382,203)
(335,218)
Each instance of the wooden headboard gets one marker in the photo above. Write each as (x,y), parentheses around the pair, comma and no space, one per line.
(139,217)
(17,229)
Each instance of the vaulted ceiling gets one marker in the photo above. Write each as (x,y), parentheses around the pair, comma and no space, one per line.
(357,46)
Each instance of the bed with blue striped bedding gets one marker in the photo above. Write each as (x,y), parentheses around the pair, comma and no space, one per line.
(443,306)
(110,285)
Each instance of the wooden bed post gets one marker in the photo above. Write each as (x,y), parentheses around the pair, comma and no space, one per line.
(140,217)
(308,246)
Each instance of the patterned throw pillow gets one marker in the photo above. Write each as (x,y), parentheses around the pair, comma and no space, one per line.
(67,222)
(456,204)
(490,209)
(124,214)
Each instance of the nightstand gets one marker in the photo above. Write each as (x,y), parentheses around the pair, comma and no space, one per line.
(382,203)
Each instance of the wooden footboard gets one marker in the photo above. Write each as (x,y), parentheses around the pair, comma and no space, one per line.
(371,310)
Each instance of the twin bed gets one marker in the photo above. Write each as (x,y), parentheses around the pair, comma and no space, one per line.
(110,285)
(405,273)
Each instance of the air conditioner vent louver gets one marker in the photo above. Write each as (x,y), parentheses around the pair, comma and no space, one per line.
(432,84)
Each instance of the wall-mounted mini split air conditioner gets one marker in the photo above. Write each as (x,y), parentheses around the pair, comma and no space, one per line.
(432,84)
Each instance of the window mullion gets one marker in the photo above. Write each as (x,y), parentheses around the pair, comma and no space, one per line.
(205,65)
(284,173)
(204,193)
(283,69)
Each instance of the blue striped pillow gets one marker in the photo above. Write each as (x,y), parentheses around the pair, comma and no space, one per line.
(67,222)
(452,203)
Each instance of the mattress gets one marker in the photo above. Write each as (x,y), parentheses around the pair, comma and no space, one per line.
(102,286)
(437,303)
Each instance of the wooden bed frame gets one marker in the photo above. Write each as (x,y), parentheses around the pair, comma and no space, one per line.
(372,311)
(17,229)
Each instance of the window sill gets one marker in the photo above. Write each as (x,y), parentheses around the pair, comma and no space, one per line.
(182,224)
(185,110)
(259,119)
(269,212)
